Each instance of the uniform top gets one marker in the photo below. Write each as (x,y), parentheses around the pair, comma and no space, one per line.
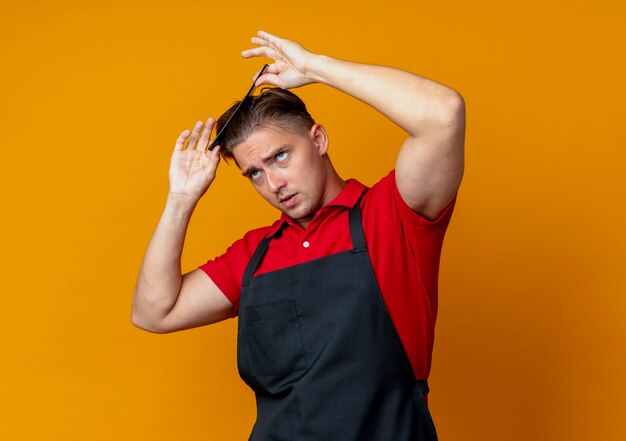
(403,246)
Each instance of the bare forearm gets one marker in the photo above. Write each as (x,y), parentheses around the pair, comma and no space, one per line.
(414,103)
(160,275)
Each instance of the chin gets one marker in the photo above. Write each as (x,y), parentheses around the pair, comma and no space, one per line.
(300,213)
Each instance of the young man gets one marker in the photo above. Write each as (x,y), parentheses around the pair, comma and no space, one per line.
(337,300)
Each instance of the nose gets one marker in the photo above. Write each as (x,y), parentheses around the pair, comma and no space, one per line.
(275,181)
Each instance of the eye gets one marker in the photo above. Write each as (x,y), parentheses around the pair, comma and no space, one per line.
(282,156)
(254,174)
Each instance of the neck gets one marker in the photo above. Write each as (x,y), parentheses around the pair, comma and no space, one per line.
(334,187)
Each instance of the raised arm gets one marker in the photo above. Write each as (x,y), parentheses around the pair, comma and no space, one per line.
(164,299)
(429,166)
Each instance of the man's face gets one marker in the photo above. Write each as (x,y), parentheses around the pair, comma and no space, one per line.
(288,169)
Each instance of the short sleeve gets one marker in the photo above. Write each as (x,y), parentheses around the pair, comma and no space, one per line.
(410,217)
(226,270)
(425,236)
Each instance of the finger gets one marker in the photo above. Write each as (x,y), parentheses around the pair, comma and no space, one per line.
(257,75)
(210,152)
(259,52)
(215,154)
(271,69)
(260,41)
(180,142)
(206,134)
(194,135)
(211,159)
(269,79)
(272,39)
(266,43)
(268,40)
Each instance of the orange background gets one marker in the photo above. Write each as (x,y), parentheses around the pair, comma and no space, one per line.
(531,330)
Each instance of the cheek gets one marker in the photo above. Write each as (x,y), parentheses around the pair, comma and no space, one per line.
(304,172)
(260,189)
(266,194)
(313,176)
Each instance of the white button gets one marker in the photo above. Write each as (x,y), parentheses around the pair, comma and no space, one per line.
(306,244)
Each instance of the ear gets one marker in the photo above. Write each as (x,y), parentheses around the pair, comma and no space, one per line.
(320,138)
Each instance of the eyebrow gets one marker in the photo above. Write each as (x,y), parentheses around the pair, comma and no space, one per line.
(246,172)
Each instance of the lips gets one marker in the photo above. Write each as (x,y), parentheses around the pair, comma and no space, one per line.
(289,201)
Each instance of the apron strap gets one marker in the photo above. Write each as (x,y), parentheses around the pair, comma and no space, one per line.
(422,386)
(356,225)
(255,260)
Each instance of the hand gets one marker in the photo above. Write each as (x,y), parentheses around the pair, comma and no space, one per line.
(292,61)
(193,169)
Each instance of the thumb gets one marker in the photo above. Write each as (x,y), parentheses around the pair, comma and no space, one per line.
(269,79)
(211,159)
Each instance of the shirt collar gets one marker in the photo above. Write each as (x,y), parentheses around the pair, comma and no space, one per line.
(349,195)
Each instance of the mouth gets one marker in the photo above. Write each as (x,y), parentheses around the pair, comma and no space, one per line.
(288,201)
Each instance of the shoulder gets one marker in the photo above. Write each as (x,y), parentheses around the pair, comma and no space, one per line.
(249,242)
(227,270)
(395,232)
(383,199)
(237,255)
